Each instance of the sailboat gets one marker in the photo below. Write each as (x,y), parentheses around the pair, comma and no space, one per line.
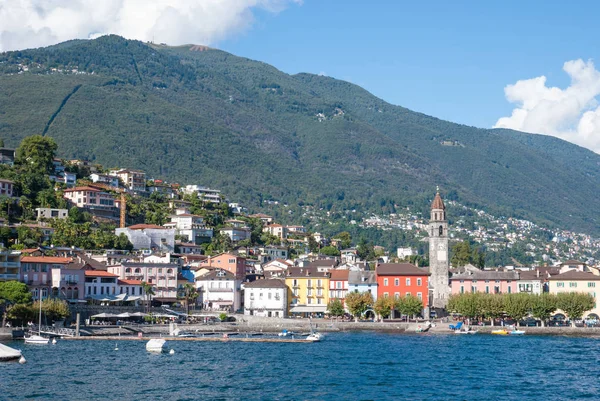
(37,339)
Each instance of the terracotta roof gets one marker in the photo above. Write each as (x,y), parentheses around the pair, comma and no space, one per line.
(400,269)
(306,272)
(45,259)
(86,188)
(265,283)
(438,203)
(486,275)
(130,282)
(575,275)
(339,275)
(99,273)
(572,262)
(144,226)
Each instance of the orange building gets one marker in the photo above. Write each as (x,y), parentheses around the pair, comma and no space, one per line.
(226,261)
(401,279)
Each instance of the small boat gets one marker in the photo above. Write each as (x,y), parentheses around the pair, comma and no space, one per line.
(9,354)
(470,331)
(501,332)
(155,345)
(517,332)
(314,337)
(38,339)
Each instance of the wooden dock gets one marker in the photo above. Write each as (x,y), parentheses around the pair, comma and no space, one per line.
(206,339)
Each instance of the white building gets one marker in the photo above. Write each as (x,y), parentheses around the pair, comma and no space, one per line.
(134,180)
(149,236)
(404,253)
(110,180)
(236,234)
(190,226)
(207,194)
(49,213)
(219,290)
(267,298)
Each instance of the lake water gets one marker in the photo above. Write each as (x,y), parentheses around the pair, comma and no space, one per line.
(350,366)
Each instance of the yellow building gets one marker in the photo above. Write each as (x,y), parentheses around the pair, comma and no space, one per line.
(577,281)
(308,291)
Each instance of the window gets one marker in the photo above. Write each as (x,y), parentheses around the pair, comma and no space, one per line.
(496,289)
(407,282)
(320,291)
(309,283)
(462,289)
(420,296)
(309,292)
(441,229)
(509,289)
(473,288)
(591,284)
(231,261)
(309,301)
(260,295)
(295,292)
(295,282)
(385,282)
(396,295)
(408,294)
(386,294)
(319,283)
(560,284)
(396,281)
(487,289)
(573,285)
(269,296)
(419,282)
(338,284)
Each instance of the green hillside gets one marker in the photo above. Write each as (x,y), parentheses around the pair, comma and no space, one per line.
(199,115)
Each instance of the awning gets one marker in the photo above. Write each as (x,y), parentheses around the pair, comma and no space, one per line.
(309,309)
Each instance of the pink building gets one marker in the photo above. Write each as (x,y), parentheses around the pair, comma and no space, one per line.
(89,197)
(338,284)
(486,281)
(36,272)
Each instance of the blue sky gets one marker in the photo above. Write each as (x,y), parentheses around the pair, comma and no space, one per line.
(448,59)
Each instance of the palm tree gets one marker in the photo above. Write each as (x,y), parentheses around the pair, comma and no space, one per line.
(190,294)
(149,291)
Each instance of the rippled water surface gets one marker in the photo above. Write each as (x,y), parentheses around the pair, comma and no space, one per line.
(353,366)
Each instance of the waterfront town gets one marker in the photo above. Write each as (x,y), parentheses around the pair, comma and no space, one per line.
(237,262)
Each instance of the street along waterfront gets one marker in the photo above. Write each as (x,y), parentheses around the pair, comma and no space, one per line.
(344,366)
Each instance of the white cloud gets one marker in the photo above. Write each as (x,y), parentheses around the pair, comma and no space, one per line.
(36,23)
(572,114)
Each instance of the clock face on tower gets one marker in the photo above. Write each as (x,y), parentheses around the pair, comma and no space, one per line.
(440,247)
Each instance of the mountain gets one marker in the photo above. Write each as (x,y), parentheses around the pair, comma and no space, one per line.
(193,114)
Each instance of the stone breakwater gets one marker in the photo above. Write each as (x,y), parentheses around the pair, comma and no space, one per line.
(304,326)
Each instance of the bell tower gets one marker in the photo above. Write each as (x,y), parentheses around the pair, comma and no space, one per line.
(438,253)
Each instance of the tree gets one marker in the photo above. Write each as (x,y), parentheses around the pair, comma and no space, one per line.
(461,254)
(466,304)
(54,308)
(330,251)
(542,306)
(492,306)
(123,242)
(148,290)
(37,153)
(358,303)
(517,306)
(383,306)
(575,304)
(345,239)
(13,293)
(365,250)
(188,293)
(409,305)
(336,308)
(20,312)
(313,245)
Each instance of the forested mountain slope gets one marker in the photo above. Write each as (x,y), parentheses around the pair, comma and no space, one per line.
(192,114)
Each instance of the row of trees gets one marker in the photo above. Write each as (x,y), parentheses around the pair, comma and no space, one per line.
(358,303)
(519,306)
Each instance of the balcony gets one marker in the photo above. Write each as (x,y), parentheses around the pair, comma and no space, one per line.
(9,276)
(220,289)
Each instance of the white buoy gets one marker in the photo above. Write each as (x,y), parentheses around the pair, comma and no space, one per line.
(22,360)
(172,351)
(54,341)
(116,347)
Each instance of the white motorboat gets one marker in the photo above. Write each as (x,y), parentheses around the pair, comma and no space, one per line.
(465,331)
(155,345)
(314,337)
(9,354)
(37,339)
